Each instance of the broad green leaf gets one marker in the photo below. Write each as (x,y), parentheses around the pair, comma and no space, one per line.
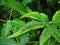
(46,34)
(56,17)
(35,15)
(56,34)
(28,27)
(6,29)
(26,1)
(14,5)
(4,41)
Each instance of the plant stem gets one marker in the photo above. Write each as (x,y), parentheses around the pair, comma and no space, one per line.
(10,14)
(2,20)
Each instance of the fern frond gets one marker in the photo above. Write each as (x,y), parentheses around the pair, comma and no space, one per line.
(35,15)
(26,28)
(6,29)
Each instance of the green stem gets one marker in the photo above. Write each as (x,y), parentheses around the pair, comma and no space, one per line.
(10,14)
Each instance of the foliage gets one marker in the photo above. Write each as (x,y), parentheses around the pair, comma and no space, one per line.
(29,22)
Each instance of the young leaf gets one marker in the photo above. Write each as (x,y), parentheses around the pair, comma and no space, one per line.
(35,15)
(6,29)
(4,41)
(56,17)
(46,34)
(26,28)
(56,34)
(14,5)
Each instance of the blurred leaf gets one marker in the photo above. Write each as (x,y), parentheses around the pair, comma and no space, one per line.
(28,27)
(24,39)
(59,1)
(56,34)
(35,44)
(56,17)
(17,24)
(7,27)
(46,34)
(26,1)
(35,15)
(4,41)
(14,5)
(50,42)
(51,2)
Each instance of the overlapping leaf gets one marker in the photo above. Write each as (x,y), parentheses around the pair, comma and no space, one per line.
(16,25)
(26,28)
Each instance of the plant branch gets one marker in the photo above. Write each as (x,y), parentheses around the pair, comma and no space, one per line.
(2,20)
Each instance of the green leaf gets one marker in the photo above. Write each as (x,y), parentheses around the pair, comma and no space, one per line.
(28,27)
(35,15)
(50,42)
(26,1)
(56,17)
(56,34)
(46,34)
(4,41)
(14,5)
(6,29)
(17,24)
(24,39)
